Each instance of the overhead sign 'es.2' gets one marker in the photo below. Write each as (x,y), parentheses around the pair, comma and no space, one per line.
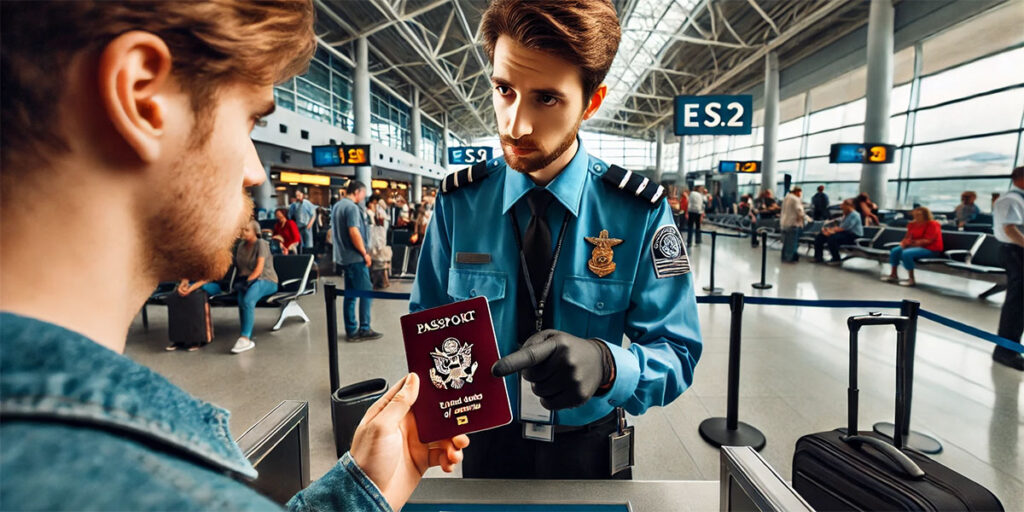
(717,114)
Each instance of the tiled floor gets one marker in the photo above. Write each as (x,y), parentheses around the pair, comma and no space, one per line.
(794,370)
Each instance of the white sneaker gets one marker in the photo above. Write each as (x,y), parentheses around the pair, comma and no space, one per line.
(242,345)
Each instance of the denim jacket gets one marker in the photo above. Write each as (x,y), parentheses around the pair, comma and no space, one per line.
(82,427)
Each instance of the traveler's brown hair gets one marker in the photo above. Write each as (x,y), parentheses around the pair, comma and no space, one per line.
(1017,173)
(212,43)
(585,32)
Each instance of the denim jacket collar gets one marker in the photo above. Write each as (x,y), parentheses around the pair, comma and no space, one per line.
(49,372)
(567,186)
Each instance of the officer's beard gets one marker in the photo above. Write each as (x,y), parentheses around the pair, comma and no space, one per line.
(527,164)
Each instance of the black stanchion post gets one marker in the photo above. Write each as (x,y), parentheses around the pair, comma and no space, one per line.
(729,431)
(331,300)
(710,288)
(916,440)
(764,258)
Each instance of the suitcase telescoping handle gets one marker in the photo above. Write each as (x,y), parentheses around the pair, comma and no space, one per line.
(903,384)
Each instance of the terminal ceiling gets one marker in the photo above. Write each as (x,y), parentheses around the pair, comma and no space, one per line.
(668,47)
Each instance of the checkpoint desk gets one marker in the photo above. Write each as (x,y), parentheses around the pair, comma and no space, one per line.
(435,494)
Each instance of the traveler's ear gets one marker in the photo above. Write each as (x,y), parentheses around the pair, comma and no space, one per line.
(133,73)
(595,102)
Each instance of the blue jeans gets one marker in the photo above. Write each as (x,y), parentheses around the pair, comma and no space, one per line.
(357,277)
(212,288)
(247,302)
(791,243)
(307,238)
(908,255)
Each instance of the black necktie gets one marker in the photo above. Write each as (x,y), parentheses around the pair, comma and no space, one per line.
(537,252)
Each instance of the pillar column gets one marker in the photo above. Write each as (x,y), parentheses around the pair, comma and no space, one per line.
(681,163)
(659,151)
(263,194)
(361,106)
(445,135)
(415,134)
(771,121)
(417,188)
(879,89)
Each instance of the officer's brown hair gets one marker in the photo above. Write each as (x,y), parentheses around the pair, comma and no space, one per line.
(212,43)
(585,32)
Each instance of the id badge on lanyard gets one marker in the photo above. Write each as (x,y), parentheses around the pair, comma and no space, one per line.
(537,420)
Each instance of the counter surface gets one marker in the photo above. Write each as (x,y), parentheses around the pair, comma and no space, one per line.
(643,496)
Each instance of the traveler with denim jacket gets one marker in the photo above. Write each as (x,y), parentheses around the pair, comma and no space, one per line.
(148,105)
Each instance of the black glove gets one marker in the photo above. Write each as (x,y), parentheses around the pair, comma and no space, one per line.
(565,370)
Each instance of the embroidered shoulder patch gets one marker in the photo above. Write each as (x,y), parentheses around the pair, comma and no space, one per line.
(668,253)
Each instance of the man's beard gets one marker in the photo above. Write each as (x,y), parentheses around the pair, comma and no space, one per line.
(528,164)
(179,239)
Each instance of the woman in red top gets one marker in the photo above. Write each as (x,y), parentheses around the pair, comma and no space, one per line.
(286,232)
(923,240)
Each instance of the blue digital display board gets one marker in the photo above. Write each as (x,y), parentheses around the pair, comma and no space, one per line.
(857,153)
(749,167)
(716,114)
(335,155)
(469,155)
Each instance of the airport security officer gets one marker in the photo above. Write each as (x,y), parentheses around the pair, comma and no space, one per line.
(571,254)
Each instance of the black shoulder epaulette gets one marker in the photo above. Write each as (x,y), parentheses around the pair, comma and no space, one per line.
(458,179)
(634,185)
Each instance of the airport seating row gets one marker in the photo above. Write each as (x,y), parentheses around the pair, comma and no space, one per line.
(297,276)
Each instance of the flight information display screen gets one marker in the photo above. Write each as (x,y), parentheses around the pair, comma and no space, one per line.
(335,155)
(861,153)
(749,167)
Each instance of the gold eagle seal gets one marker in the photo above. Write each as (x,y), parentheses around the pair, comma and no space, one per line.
(601,259)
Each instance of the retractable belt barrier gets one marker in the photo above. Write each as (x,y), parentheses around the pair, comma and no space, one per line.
(780,301)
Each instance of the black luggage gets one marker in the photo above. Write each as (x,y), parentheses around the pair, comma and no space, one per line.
(188,319)
(867,471)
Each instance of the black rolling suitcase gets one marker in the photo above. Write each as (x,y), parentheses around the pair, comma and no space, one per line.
(188,319)
(867,471)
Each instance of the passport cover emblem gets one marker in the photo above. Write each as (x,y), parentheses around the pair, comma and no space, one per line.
(453,365)
(453,347)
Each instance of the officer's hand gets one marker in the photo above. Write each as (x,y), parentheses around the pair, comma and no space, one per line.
(565,370)
(387,447)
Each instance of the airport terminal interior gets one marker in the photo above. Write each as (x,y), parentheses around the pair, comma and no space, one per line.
(915,103)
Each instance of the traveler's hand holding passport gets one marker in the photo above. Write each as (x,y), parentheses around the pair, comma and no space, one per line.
(387,446)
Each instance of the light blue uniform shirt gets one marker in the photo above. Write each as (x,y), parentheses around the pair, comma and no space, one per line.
(658,315)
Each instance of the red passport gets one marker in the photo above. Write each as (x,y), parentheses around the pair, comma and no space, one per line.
(452,348)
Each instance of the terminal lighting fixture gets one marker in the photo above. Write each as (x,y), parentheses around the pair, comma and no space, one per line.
(294,178)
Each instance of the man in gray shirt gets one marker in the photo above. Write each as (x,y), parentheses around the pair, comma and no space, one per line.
(303,212)
(351,257)
(851,229)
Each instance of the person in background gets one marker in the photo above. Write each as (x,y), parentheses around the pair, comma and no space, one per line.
(351,236)
(866,208)
(694,214)
(303,212)
(849,230)
(966,211)
(151,105)
(766,206)
(819,202)
(717,203)
(380,252)
(745,209)
(1008,228)
(792,223)
(256,264)
(923,240)
(286,232)
(995,197)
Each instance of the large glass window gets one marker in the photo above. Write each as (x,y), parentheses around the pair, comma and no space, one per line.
(323,93)
(431,146)
(968,157)
(982,75)
(984,114)
(389,119)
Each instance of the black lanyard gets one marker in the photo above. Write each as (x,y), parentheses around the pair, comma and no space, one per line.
(538,303)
